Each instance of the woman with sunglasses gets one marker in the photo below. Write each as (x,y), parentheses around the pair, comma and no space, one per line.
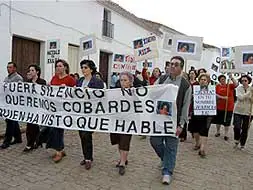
(89,80)
(243,111)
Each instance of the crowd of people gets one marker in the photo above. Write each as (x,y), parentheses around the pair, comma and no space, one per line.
(234,101)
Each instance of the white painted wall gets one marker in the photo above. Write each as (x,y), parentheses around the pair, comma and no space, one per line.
(5,39)
(72,20)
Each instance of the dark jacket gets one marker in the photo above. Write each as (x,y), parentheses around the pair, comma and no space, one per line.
(94,83)
(38,81)
(137,83)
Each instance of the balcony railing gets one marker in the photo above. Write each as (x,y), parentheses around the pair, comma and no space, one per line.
(108,29)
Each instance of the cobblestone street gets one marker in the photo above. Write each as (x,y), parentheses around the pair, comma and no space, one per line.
(224,168)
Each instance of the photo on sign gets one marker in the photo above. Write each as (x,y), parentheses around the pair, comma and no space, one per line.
(247,58)
(164,108)
(138,43)
(87,45)
(227,64)
(129,59)
(186,47)
(52,45)
(119,58)
(214,67)
(147,64)
(225,52)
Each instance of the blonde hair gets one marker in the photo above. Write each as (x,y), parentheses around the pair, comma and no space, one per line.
(207,75)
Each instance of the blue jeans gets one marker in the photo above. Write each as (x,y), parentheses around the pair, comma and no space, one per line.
(166,148)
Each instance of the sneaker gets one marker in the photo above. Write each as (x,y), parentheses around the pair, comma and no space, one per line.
(226,138)
(242,148)
(217,135)
(166,179)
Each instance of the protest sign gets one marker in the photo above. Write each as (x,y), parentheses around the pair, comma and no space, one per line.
(138,111)
(227,61)
(145,48)
(53,51)
(204,100)
(189,47)
(122,63)
(88,45)
(244,58)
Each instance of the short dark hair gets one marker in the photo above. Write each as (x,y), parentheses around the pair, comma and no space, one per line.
(65,64)
(37,69)
(245,76)
(202,70)
(90,64)
(181,59)
(14,64)
(167,63)
(195,72)
(76,74)
(221,76)
(100,74)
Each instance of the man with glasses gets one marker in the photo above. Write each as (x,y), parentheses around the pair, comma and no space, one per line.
(166,146)
(12,127)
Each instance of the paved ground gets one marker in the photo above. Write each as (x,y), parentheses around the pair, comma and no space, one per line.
(224,168)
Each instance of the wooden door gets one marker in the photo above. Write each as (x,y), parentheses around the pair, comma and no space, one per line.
(103,65)
(24,53)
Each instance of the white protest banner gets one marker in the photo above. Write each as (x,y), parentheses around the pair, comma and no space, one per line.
(227,62)
(244,58)
(88,45)
(123,62)
(204,100)
(189,47)
(138,111)
(53,51)
(145,48)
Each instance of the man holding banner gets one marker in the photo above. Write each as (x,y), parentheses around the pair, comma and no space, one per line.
(12,128)
(166,146)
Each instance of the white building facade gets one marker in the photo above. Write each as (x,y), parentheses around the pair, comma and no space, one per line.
(26,26)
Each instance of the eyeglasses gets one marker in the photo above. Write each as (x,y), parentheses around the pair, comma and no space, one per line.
(84,67)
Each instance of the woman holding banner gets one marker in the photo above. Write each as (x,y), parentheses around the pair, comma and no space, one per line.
(32,130)
(201,123)
(243,111)
(56,135)
(225,104)
(89,80)
(123,140)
